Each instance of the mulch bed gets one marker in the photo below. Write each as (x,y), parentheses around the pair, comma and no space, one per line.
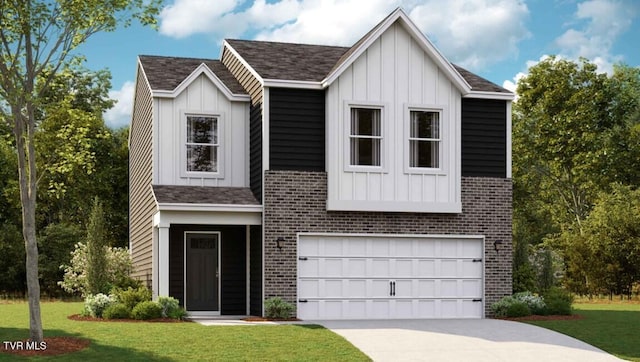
(545,318)
(78,317)
(54,346)
(262,319)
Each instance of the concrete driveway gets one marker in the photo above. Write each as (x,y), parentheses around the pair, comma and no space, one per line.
(463,340)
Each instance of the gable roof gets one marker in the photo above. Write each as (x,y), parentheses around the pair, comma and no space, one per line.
(167,73)
(276,62)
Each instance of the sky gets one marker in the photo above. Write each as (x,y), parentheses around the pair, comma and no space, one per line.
(496,39)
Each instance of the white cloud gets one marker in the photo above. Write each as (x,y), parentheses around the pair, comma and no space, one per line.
(598,25)
(120,114)
(472,33)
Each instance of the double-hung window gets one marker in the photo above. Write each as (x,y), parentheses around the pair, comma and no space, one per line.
(365,137)
(424,139)
(202,144)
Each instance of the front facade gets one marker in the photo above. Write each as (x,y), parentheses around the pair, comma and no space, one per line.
(364,182)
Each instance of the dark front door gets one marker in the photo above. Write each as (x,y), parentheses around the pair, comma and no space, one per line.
(203,272)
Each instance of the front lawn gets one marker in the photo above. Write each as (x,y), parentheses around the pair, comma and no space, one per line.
(612,327)
(122,341)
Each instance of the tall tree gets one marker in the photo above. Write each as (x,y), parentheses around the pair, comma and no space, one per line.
(37,38)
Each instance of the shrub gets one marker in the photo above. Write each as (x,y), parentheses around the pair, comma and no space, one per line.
(116,311)
(500,307)
(535,303)
(558,301)
(94,305)
(119,267)
(147,310)
(131,297)
(518,309)
(171,308)
(97,281)
(277,308)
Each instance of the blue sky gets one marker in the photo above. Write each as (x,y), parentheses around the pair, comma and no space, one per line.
(497,39)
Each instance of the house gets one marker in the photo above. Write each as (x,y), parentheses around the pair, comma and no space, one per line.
(371,181)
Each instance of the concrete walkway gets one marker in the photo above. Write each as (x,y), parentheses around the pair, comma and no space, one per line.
(463,340)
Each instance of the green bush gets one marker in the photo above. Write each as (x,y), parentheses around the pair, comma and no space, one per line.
(131,297)
(277,308)
(147,310)
(558,301)
(116,311)
(94,305)
(535,304)
(171,308)
(518,309)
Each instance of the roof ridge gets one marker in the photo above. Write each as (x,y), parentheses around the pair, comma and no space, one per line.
(287,43)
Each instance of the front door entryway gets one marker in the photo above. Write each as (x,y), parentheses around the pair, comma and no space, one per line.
(202,271)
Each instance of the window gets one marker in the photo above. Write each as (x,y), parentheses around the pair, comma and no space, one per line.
(424,139)
(202,143)
(365,136)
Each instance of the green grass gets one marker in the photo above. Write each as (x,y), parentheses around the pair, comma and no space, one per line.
(122,341)
(612,327)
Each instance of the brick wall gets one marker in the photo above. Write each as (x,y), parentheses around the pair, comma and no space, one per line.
(295,201)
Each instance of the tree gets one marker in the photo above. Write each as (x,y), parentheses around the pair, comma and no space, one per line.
(37,38)
(97,281)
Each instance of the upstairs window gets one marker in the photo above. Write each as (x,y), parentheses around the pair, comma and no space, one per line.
(202,143)
(424,139)
(365,136)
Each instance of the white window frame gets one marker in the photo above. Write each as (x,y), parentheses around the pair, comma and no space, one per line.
(219,173)
(442,139)
(349,106)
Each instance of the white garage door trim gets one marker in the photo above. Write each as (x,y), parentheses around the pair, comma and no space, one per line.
(427,276)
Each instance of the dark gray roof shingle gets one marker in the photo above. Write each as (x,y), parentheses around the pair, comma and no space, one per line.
(170,194)
(478,83)
(288,61)
(166,73)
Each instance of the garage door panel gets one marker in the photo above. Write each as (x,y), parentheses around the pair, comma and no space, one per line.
(350,277)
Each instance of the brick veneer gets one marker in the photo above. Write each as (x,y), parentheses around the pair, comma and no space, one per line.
(295,201)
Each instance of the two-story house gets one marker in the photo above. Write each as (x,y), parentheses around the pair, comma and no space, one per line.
(371,181)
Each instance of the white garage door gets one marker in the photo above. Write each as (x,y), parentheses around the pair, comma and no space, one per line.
(389,277)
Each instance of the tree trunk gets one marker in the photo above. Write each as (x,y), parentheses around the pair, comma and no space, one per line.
(24,134)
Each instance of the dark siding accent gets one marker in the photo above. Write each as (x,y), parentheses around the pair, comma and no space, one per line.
(255,270)
(484,137)
(296,129)
(255,150)
(233,265)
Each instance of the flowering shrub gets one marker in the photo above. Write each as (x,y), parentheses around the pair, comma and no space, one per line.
(504,307)
(171,308)
(94,305)
(119,266)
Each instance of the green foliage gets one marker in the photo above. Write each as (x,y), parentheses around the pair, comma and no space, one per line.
(518,309)
(119,267)
(97,280)
(277,308)
(94,305)
(147,310)
(116,311)
(523,273)
(558,301)
(131,297)
(505,306)
(55,244)
(171,308)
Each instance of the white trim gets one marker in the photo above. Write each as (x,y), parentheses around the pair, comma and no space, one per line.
(244,63)
(168,217)
(394,206)
(209,207)
(155,288)
(384,134)
(184,241)
(297,84)
(428,236)
(509,140)
(442,169)
(265,130)
(163,260)
(421,39)
(201,69)
(489,95)
(221,146)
